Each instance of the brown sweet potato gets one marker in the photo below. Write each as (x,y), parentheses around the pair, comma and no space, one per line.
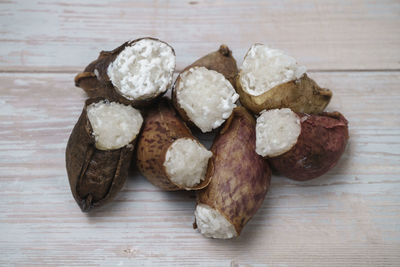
(162,127)
(220,61)
(95,81)
(240,178)
(95,176)
(321,143)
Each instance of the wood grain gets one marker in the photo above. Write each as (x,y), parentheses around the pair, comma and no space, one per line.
(50,35)
(348,217)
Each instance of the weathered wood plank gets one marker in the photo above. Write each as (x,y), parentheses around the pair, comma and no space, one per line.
(348,217)
(48,35)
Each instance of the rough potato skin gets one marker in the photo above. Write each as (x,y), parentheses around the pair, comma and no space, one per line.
(220,61)
(95,176)
(240,177)
(100,85)
(161,128)
(322,141)
(302,95)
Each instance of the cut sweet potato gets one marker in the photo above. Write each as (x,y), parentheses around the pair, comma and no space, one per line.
(203,93)
(240,180)
(136,73)
(168,155)
(270,79)
(97,163)
(301,146)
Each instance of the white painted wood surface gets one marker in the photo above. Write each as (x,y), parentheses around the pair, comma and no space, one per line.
(49,35)
(348,217)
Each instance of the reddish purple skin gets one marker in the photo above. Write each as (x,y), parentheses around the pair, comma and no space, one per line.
(240,177)
(322,141)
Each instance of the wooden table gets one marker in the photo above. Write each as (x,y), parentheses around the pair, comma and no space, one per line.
(348,217)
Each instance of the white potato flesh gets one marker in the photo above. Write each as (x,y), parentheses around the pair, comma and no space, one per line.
(277,131)
(143,69)
(114,125)
(264,68)
(186,162)
(213,224)
(206,96)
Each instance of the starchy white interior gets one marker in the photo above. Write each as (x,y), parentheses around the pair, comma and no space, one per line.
(186,162)
(264,68)
(212,224)
(277,131)
(206,96)
(114,125)
(143,69)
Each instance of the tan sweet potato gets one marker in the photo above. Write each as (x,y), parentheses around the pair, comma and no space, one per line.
(321,143)
(162,127)
(302,95)
(95,176)
(240,178)
(220,61)
(95,81)
(270,79)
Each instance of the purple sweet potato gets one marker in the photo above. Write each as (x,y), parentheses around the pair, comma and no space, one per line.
(319,147)
(302,147)
(240,179)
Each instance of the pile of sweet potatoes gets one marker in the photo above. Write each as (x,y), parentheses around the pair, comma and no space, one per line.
(237,178)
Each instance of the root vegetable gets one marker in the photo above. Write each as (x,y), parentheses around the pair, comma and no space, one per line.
(301,146)
(220,61)
(99,151)
(270,79)
(203,93)
(168,155)
(135,73)
(240,180)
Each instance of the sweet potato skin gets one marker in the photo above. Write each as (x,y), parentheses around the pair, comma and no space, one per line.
(96,83)
(240,178)
(95,176)
(220,61)
(321,143)
(302,95)
(161,127)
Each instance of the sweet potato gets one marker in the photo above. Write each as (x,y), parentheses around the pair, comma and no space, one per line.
(314,148)
(137,67)
(203,93)
(262,86)
(220,61)
(163,129)
(96,174)
(240,180)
